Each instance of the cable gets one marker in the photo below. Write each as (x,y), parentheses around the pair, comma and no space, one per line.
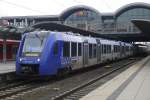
(77,1)
(21,6)
(108,6)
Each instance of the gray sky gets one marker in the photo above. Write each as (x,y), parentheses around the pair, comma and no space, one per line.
(54,7)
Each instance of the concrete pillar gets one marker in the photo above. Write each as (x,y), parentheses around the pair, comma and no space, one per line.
(86,25)
(26,22)
(33,22)
(22,23)
(14,22)
(4,49)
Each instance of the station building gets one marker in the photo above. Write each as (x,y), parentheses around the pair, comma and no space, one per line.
(90,19)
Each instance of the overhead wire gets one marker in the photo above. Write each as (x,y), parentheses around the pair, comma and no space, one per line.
(21,6)
(108,6)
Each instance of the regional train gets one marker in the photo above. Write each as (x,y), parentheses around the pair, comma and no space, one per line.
(46,53)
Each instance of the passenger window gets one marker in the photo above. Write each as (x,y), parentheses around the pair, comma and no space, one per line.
(102,49)
(73,49)
(105,49)
(109,48)
(66,49)
(94,51)
(79,49)
(115,49)
(90,50)
(55,48)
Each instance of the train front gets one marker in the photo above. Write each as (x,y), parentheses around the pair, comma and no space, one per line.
(29,53)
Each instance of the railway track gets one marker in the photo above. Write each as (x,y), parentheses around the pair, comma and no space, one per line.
(18,88)
(85,88)
(14,88)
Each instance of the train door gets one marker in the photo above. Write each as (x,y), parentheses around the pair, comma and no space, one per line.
(98,50)
(122,50)
(121,47)
(85,53)
(111,51)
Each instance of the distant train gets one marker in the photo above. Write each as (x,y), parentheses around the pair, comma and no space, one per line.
(11,49)
(46,53)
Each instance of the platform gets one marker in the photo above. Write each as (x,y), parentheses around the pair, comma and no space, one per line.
(7,67)
(132,84)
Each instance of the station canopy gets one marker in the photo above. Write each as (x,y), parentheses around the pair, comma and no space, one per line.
(143,25)
(9,32)
(64,28)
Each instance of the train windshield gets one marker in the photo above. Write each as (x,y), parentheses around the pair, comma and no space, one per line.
(34,44)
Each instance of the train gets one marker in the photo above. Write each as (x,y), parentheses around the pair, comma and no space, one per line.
(11,49)
(48,53)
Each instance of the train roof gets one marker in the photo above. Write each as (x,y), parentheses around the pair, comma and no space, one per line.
(75,37)
(67,36)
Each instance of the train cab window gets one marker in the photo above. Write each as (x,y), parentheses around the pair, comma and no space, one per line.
(90,50)
(55,48)
(94,51)
(79,49)
(66,49)
(73,49)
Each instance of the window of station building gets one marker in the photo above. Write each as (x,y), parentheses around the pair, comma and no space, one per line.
(90,50)
(94,51)
(84,17)
(73,49)
(124,20)
(66,49)
(55,48)
(79,49)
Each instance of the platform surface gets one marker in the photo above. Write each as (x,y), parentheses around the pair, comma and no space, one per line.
(132,84)
(7,67)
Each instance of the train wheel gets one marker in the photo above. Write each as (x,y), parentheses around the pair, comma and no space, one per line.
(63,72)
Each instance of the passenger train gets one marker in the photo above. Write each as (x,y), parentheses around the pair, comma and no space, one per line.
(46,53)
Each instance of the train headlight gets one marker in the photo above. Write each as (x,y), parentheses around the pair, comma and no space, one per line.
(20,59)
(38,59)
